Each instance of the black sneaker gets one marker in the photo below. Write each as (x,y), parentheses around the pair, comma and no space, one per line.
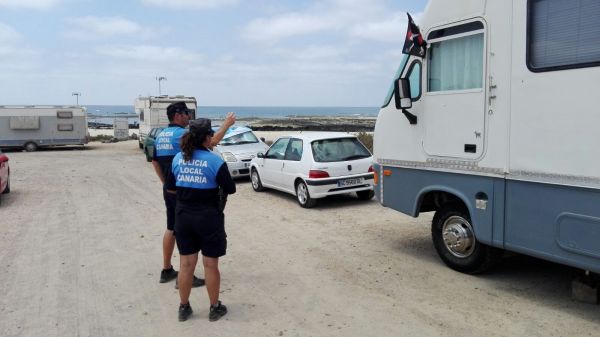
(185,311)
(217,312)
(167,275)
(197,282)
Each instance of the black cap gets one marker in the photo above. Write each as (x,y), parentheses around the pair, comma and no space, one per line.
(175,108)
(201,126)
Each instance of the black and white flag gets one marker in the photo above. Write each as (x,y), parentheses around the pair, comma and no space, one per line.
(414,43)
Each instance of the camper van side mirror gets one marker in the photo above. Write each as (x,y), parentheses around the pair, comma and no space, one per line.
(402,94)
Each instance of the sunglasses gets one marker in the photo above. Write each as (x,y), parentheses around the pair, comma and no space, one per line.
(184,112)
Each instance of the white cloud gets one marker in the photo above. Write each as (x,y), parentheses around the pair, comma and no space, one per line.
(312,53)
(368,20)
(390,30)
(190,4)
(8,34)
(285,26)
(95,27)
(34,4)
(149,53)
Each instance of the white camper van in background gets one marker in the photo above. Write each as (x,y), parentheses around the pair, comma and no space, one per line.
(505,144)
(153,112)
(34,126)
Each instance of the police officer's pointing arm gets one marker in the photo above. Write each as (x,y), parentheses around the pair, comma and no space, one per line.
(229,121)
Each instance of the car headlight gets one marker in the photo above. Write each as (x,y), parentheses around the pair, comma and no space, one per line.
(229,157)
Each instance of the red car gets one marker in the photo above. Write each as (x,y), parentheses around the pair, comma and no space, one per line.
(4,174)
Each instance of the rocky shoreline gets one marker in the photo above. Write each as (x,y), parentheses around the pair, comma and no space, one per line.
(301,123)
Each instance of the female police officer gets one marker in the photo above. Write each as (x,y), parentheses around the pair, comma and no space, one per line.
(199,219)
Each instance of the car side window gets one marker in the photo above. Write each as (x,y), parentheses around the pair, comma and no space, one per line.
(294,150)
(277,150)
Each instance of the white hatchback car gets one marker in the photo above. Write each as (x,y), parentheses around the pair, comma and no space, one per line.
(314,165)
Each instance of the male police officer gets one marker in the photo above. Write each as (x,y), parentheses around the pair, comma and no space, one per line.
(165,148)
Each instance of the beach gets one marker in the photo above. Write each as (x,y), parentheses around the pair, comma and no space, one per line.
(81,256)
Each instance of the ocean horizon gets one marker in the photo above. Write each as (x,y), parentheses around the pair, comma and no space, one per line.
(250,111)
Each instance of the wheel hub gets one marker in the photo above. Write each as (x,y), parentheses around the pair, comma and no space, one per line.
(458,236)
(301,190)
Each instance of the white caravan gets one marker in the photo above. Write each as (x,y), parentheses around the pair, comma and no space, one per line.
(153,112)
(34,126)
(505,144)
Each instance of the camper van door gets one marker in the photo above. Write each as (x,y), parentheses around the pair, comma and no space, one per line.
(455,96)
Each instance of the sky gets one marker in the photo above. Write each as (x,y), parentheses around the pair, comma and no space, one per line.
(223,52)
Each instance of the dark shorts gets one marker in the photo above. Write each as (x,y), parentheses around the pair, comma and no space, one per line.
(170,202)
(200,229)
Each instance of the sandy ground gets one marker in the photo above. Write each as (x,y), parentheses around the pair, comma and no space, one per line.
(80,255)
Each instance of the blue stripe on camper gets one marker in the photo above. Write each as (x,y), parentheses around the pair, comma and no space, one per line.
(553,222)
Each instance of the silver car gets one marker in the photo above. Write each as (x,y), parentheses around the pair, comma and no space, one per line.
(237,149)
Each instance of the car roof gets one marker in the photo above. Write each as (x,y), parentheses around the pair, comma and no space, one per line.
(310,136)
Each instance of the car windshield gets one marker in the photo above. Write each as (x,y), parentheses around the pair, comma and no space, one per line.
(240,138)
(339,149)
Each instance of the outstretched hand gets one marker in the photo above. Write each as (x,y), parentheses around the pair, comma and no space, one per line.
(229,120)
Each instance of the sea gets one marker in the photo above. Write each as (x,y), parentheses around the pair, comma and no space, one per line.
(106,113)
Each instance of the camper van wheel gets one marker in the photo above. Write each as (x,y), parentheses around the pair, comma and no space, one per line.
(148,158)
(140,145)
(30,147)
(455,242)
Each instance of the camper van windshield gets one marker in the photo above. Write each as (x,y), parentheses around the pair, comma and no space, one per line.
(396,76)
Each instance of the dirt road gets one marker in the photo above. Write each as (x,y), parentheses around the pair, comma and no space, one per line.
(80,255)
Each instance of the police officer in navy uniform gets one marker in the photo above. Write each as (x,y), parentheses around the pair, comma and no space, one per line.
(202,178)
(167,145)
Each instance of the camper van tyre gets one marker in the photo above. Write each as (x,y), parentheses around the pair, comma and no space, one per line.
(140,145)
(30,147)
(148,158)
(456,244)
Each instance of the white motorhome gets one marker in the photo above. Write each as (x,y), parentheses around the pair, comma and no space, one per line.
(503,143)
(34,126)
(153,112)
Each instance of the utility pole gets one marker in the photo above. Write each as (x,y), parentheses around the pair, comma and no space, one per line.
(160,79)
(77,94)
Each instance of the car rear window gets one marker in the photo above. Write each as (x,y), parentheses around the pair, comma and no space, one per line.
(338,149)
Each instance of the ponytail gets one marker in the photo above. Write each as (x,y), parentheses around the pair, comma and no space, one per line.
(190,142)
(187,146)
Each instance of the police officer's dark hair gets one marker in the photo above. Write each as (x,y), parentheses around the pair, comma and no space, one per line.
(190,142)
(175,108)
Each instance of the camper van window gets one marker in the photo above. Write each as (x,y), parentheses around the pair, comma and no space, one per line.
(64,114)
(65,127)
(456,64)
(414,77)
(388,97)
(563,34)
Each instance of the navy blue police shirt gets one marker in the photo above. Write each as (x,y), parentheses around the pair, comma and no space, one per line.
(198,180)
(166,146)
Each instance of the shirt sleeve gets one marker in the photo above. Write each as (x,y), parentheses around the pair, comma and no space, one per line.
(224,180)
